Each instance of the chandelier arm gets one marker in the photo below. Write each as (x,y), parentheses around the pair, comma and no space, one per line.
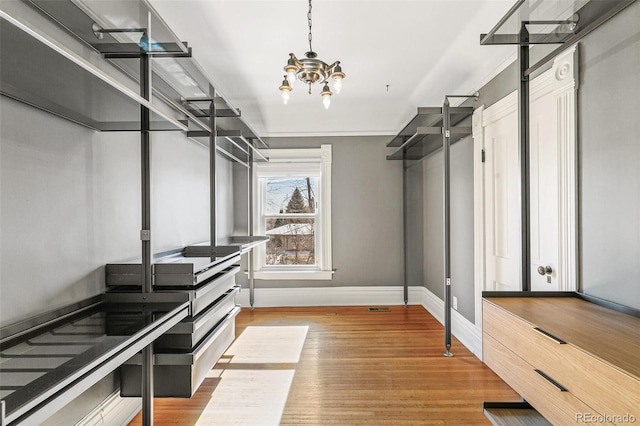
(296,60)
(332,66)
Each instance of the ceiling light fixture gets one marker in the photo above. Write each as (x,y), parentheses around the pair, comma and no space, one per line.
(310,70)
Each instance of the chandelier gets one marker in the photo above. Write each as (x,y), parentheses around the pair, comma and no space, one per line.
(310,70)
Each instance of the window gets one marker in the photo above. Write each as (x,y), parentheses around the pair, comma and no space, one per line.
(293,208)
(290,219)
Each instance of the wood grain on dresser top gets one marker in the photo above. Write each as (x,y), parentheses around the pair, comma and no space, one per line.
(610,336)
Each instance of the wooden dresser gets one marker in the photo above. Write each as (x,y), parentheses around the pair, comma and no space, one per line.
(572,360)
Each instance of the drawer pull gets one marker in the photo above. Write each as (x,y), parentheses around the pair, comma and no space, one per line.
(550,380)
(550,336)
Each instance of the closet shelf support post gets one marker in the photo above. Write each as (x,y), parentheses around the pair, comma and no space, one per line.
(446,144)
(145,234)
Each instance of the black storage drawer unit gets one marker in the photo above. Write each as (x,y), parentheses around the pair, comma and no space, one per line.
(186,352)
(179,375)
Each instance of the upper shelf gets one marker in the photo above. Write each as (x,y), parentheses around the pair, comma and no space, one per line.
(546,22)
(233,144)
(551,21)
(77,90)
(122,29)
(118,27)
(423,134)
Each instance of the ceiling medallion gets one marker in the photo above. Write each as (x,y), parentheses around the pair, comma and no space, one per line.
(310,70)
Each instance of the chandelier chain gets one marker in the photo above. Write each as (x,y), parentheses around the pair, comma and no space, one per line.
(309,20)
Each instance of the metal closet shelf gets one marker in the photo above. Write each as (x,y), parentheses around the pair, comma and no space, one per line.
(422,136)
(27,59)
(182,93)
(232,144)
(51,359)
(99,25)
(235,139)
(226,246)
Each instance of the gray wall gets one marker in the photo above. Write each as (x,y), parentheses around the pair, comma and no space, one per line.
(415,224)
(366,213)
(461,173)
(609,149)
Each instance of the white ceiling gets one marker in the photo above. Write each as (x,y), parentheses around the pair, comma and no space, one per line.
(421,49)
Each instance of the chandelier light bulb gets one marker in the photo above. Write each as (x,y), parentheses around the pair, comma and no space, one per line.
(291,76)
(285,88)
(291,68)
(337,84)
(337,75)
(326,96)
(326,101)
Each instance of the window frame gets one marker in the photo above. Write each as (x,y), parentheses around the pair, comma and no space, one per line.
(309,162)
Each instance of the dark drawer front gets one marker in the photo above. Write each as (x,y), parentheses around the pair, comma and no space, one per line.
(187,334)
(214,289)
(169,275)
(180,375)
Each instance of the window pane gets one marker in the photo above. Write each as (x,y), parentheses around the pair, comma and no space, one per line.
(291,241)
(291,195)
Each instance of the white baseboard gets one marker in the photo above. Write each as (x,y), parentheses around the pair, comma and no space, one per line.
(463,329)
(114,410)
(325,296)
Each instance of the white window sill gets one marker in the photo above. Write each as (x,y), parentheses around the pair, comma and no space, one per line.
(293,275)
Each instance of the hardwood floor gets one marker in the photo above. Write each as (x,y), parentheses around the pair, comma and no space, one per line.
(360,368)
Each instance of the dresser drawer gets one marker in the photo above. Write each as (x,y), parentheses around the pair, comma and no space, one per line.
(191,330)
(559,407)
(601,386)
(178,375)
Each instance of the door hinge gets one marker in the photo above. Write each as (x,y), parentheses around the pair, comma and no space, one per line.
(482,156)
